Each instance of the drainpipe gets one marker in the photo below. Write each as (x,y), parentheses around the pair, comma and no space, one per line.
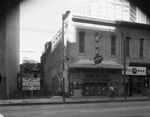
(124,70)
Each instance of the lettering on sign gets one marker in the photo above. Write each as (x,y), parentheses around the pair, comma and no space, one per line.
(135,71)
(31,83)
(96,76)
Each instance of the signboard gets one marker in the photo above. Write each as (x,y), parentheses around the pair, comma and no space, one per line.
(97,46)
(141,71)
(30,83)
(98,59)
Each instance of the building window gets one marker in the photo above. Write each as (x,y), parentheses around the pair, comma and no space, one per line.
(113,45)
(127,46)
(81,42)
(141,47)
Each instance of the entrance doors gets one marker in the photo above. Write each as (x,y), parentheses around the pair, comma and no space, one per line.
(95,89)
(136,88)
(135,85)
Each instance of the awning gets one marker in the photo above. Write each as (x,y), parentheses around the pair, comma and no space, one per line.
(110,64)
(86,63)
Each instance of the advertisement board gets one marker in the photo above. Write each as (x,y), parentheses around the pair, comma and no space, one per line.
(30,83)
(140,71)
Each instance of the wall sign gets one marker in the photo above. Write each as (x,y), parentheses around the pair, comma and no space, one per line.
(141,71)
(97,45)
(98,58)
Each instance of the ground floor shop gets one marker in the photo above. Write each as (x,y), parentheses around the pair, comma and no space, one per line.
(97,81)
(93,81)
(136,86)
(137,83)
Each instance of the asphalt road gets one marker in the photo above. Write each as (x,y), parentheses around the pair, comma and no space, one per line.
(112,109)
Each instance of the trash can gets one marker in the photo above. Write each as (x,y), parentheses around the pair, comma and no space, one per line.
(148,94)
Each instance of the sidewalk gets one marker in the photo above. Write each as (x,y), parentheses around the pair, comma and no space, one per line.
(72,100)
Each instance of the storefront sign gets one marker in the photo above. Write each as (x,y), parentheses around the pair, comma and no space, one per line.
(141,71)
(100,75)
(90,77)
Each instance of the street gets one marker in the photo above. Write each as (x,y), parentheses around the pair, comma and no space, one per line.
(111,109)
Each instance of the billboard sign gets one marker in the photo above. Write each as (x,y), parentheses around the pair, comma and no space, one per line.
(30,83)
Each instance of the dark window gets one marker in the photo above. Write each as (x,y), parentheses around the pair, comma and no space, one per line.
(35,75)
(113,45)
(127,46)
(77,86)
(141,47)
(81,42)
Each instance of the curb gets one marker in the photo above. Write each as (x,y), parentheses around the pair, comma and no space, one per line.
(71,102)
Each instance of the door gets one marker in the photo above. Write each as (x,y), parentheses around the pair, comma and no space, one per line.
(134,89)
(139,88)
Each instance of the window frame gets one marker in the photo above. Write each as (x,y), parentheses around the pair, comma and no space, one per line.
(113,45)
(81,42)
(141,47)
(127,46)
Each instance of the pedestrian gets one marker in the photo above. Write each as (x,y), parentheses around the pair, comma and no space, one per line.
(111,92)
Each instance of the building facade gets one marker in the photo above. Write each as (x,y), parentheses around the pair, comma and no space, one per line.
(86,38)
(110,10)
(9,49)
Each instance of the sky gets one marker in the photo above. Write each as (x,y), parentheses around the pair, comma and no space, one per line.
(40,20)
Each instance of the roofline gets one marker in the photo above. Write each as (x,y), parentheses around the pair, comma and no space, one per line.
(90,20)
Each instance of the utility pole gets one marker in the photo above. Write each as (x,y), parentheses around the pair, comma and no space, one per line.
(124,54)
(63,79)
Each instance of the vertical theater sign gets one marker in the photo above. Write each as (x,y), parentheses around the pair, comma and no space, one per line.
(98,57)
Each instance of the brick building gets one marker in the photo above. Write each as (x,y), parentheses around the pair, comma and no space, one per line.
(72,57)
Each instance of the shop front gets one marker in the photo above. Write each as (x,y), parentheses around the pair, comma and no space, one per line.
(92,81)
(135,81)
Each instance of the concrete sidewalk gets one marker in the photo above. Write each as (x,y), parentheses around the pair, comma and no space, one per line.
(72,100)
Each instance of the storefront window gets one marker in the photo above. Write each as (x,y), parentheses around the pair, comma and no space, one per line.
(95,89)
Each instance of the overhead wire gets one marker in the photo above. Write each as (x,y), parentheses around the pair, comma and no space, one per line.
(29,29)
(43,31)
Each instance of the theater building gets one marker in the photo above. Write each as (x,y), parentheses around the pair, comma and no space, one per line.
(87,40)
